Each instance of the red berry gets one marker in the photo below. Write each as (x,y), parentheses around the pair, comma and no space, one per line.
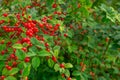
(14,64)
(69,78)
(12,55)
(2,21)
(65,35)
(54,5)
(29,33)
(2,77)
(2,52)
(62,65)
(54,59)
(16,58)
(41,25)
(57,25)
(24,49)
(47,49)
(5,14)
(42,39)
(27,59)
(8,67)
(46,44)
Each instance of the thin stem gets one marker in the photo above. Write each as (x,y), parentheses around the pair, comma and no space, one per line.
(106,48)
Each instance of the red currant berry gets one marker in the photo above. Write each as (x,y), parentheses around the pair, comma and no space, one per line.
(41,25)
(2,52)
(62,65)
(9,67)
(65,35)
(54,5)
(47,49)
(5,14)
(69,78)
(54,59)
(2,77)
(27,59)
(24,49)
(46,44)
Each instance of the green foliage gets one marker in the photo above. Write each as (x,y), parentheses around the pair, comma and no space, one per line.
(59,40)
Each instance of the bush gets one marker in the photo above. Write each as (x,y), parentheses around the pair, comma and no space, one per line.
(59,40)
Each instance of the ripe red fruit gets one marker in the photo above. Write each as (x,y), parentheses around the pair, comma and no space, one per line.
(14,64)
(46,44)
(2,21)
(54,5)
(12,55)
(5,14)
(54,59)
(8,67)
(2,52)
(65,35)
(62,65)
(2,77)
(24,49)
(69,78)
(29,33)
(47,49)
(41,25)
(27,59)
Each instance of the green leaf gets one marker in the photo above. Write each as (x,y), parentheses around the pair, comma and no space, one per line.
(5,19)
(20,54)
(117,37)
(61,2)
(37,43)
(44,53)
(34,41)
(30,54)
(116,70)
(35,62)
(67,73)
(49,3)
(68,65)
(17,46)
(2,63)
(84,12)
(5,72)
(70,34)
(26,71)
(70,49)
(76,73)
(56,50)
(56,67)
(33,50)
(50,63)
(62,28)
(74,48)
(13,71)
(10,78)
